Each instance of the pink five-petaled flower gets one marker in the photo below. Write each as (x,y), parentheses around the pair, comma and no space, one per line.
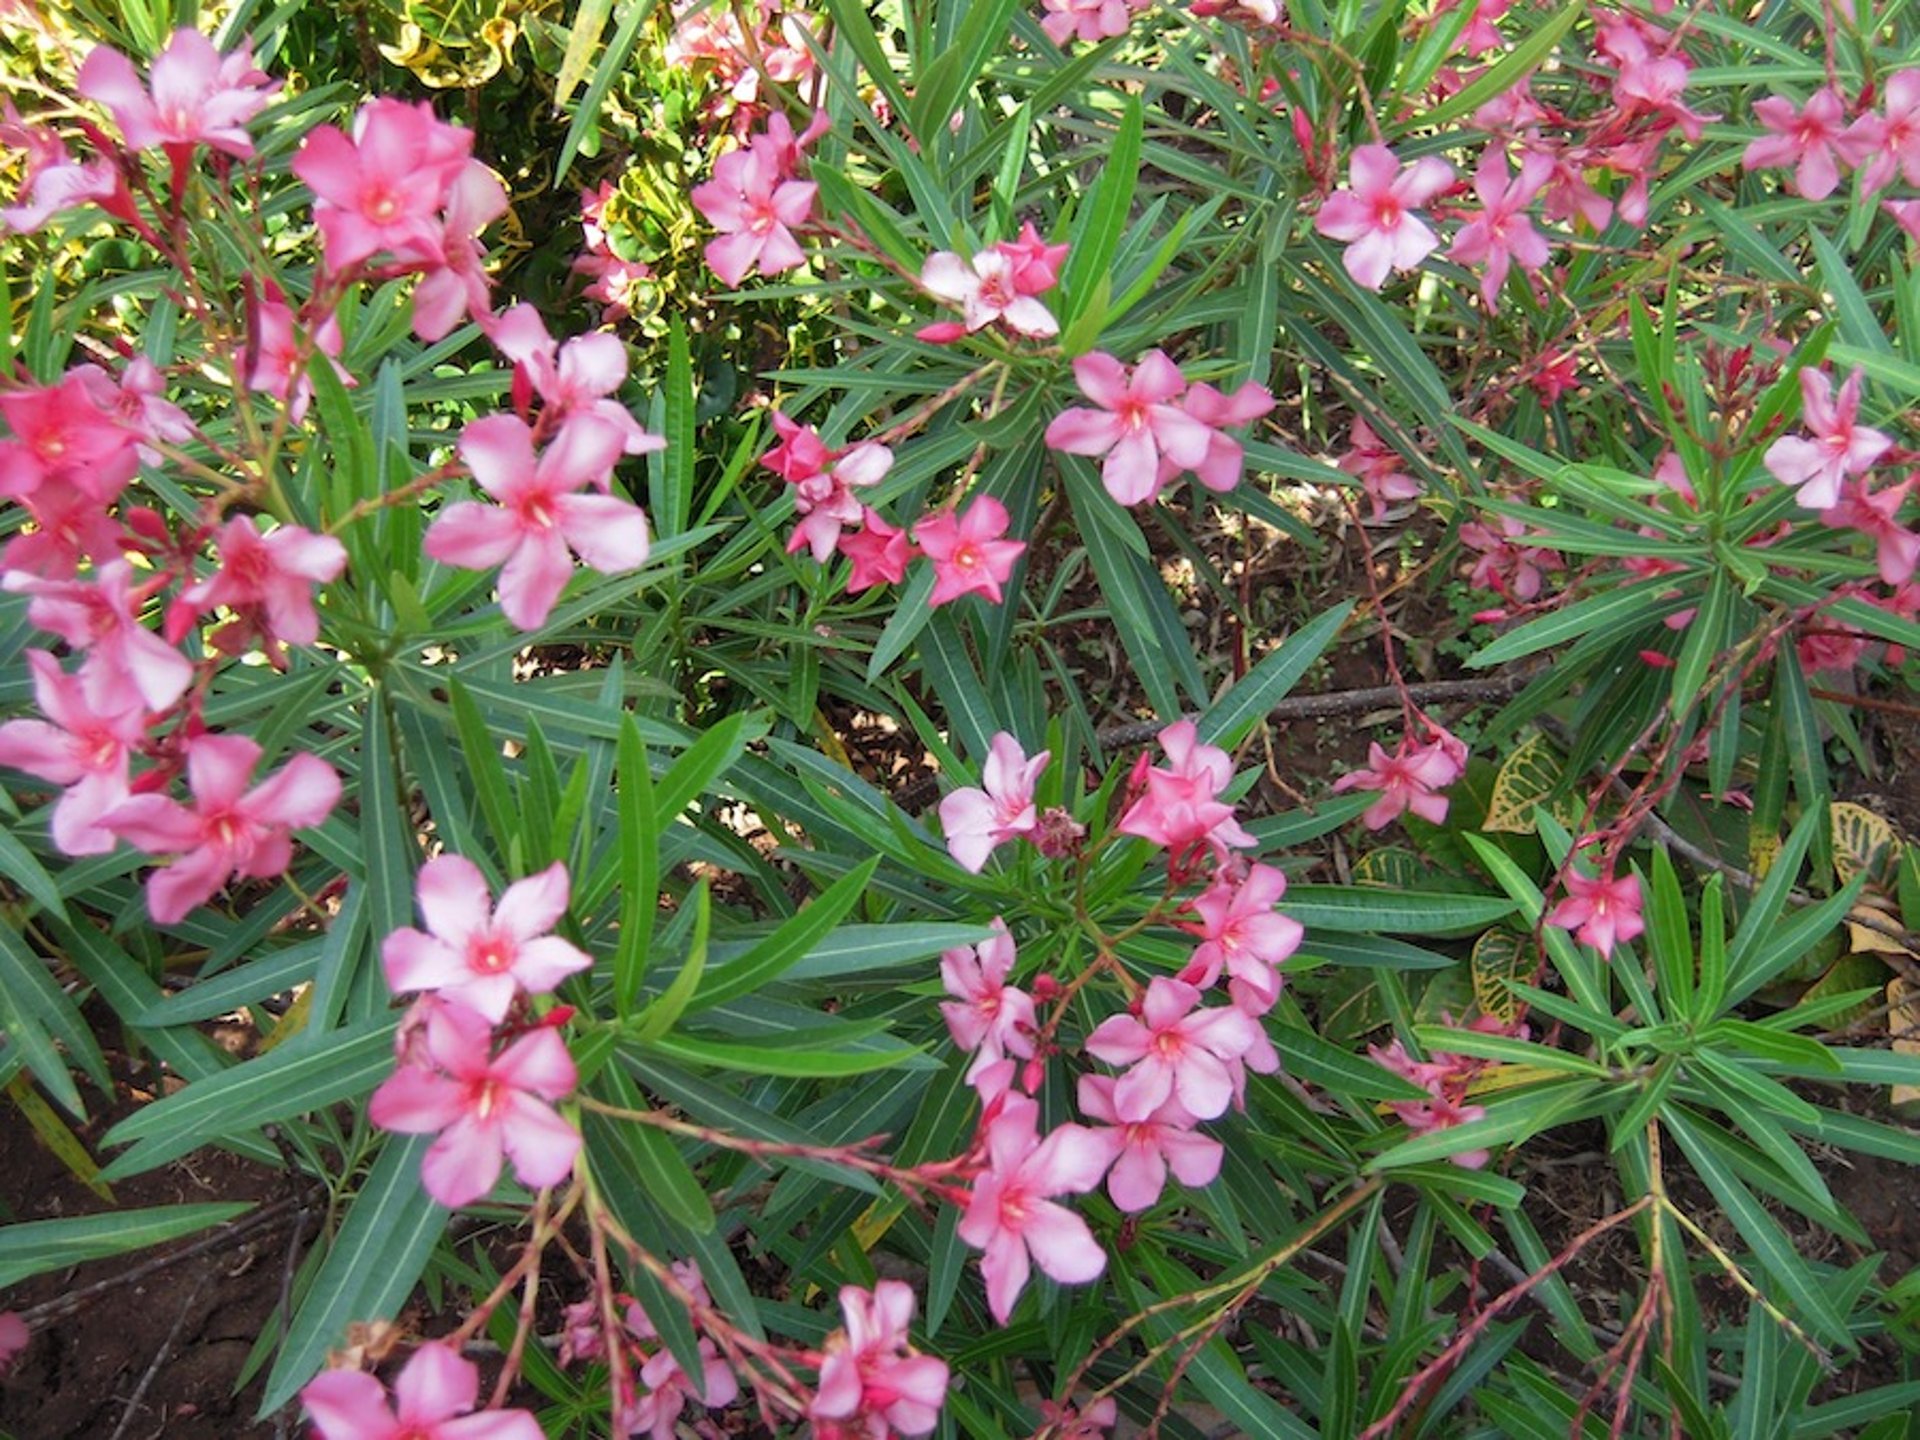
(475,954)
(1180,808)
(575,379)
(1602,910)
(1011,1214)
(540,522)
(198,96)
(1408,779)
(101,617)
(975,821)
(455,283)
(879,552)
(268,579)
(1089,20)
(78,745)
(64,435)
(1174,1050)
(1877,516)
(753,203)
(1375,217)
(1888,145)
(986,289)
(968,555)
(1146,438)
(1149,1148)
(1219,469)
(1378,468)
(229,829)
(484,1105)
(1502,234)
(383,189)
(986,1014)
(872,1381)
(1036,264)
(436,1386)
(1807,139)
(281,350)
(1243,934)
(1839,446)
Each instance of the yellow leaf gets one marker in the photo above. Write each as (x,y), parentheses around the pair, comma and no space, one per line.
(1903,1024)
(1862,841)
(1529,775)
(1499,958)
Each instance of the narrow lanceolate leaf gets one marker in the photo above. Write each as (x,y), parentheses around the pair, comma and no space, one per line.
(36,1247)
(1233,716)
(785,947)
(763,1060)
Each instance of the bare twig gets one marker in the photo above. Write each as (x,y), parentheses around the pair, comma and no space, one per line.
(159,1359)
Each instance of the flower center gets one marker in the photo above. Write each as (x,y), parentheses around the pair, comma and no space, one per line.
(490,956)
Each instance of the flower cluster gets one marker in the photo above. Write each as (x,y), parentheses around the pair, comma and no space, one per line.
(1445,1077)
(756,201)
(1000,284)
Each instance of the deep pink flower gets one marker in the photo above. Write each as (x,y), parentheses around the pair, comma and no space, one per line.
(1602,910)
(879,552)
(1145,436)
(68,526)
(64,434)
(1877,515)
(436,1386)
(1174,1050)
(872,1381)
(1375,216)
(474,954)
(986,1014)
(1409,779)
(968,555)
(485,1106)
(986,290)
(1806,139)
(1219,469)
(976,820)
(102,617)
(1502,233)
(825,498)
(576,379)
(1242,933)
(199,96)
(1887,145)
(1036,264)
(230,829)
(1012,1216)
(383,189)
(1148,1148)
(1180,807)
(540,522)
(269,579)
(281,349)
(1839,446)
(79,747)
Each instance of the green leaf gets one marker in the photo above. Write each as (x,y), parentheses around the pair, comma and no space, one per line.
(582,37)
(798,938)
(768,1060)
(613,61)
(1321,1062)
(1509,1118)
(1406,912)
(1232,717)
(36,1247)
(639,868)
(1512,67)
(18,865)
(1102,220)
(642,1158)
(1609,612)
(658,1018)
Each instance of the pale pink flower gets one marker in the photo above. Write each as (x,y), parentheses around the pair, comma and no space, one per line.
(572,380)
(976,820)
(540,522)
(139,400)
(455,284)
(1148,1148)
(1888,145)
(754,204)
(1502,233)
(968,555)
(1242,933)
(1220,468)
(1376,215)
(1877,515)
(1602,910)
(102,617)
(985,289)
(669,1389)
(1444,1077)
(1906,214)
(487,1107)
(383,189)
(1092,1422)
(1806,139)
(474,954)
(1180,807)
(1378,467)
(60,187)
(77,746)
(1174,1050)
(198,96)
(986,1014)
(268,579)
(281,349)
(872,1381)
(1088,20)
(230,829)
(1145,436)
(1409,779)
(1505,565)
(1839,446)
(436,1386)
(1651,81)
(1011,1214)
(879,552)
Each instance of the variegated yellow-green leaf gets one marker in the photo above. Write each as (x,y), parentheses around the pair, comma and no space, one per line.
(1903,1024)
(1863,841)
(55,1134)
(1393,866)
(1529,776)
(1499,958)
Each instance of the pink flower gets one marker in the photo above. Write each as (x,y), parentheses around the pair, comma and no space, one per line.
(1877,515)
(1242,933)
(1602,910)
(1149,1148)
(383,189)
(975,821)
(540,522)
(1146,438)
(269,579)
(484,1106)
(67,527)
(456,284)
(1888,145)
(14,1337)
(1445,1077)
(1036,264)
(754,204)
(436,1386)
(823,483)
(281,349)
(1012,1216)
(968,555)
(1180,808)
(1089,20)
(1839,446)
(230,830)
(1502,233)
(77,746)
(102,617)
(199,96)
(60,187)
(872,1381)
(1375,216)
(1378,467)
(879,552)
(1506,566)
(474,954)
(576,379)
(1219,469)
(1174,1051)
(1806,139)
(986,1014)
(986,290)
(64,434)
(1409,779)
